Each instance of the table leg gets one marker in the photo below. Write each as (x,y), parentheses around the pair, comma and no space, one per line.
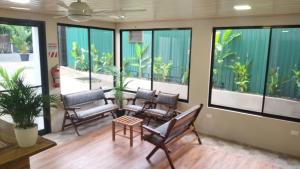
(124,130)
(113,131)
(131,136)
(142,131)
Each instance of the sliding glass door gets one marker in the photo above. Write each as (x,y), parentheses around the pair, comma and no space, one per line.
(22,45)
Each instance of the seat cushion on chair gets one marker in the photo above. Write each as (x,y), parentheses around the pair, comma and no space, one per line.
(134,108)
(156,112)
(96,110)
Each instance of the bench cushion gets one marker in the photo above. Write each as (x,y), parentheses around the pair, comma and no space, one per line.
(83,97)
(96,110)
(135,108)
(156,112)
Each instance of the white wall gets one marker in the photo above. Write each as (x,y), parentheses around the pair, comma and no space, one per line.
(263,132)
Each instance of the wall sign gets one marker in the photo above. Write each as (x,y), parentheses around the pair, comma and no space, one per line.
(52,50)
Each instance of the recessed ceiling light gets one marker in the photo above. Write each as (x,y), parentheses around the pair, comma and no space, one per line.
(242,7)
(285,31)
(19,8)
(20,1)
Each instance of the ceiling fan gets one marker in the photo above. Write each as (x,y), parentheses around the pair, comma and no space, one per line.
(80,11)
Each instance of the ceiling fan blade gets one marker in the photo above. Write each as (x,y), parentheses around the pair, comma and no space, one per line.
(62,4)
(61,16)
(109,11)
(132,10)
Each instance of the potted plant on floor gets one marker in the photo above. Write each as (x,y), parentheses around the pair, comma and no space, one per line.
(19,39)
(118,90)
(23,104)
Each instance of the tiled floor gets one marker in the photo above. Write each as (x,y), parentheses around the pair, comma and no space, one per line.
(282,161)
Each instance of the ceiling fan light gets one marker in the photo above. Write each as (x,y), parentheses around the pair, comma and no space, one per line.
(80,18)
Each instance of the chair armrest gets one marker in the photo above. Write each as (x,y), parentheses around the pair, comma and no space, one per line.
(151,130)
(129,100)
(72,108)
(112,99)
(177,112)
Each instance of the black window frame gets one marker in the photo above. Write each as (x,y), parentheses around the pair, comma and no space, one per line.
(89,46)
(152,55)
(261,113)
(43,62)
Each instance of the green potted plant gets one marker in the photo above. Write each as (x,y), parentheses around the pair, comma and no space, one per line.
(118,90)
(19,39)
(23,104)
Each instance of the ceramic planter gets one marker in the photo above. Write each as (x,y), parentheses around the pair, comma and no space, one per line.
(24,57)
(26,137)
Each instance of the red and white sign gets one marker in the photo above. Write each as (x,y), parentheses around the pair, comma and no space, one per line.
(52,50)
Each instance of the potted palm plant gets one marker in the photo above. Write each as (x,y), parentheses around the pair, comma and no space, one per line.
(23,104)
(118,90)
(19,39)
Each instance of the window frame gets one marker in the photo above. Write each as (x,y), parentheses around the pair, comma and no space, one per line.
(89,46)
(152,54)
(261,113)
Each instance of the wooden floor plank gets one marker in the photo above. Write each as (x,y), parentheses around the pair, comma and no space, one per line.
(97,150)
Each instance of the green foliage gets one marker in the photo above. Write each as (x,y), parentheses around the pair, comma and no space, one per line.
(6,29)
(20,38)
(296,77)
(161,70)
(185,77)
(81,61)
(7,81)
(222,51)
(101,63)
(273,87)
(23,104)
(241,73)
(140,61)
(120,85)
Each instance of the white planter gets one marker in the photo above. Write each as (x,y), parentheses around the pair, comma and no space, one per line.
(26,137)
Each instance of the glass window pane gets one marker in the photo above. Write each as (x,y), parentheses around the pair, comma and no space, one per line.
(171,61)
(102,58)
(239,68)
(74,61)
(283,85)
(136,60)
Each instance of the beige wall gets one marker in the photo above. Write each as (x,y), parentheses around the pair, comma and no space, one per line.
(266,133)
(258,131)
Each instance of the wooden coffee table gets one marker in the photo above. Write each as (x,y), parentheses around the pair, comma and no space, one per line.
(127,121)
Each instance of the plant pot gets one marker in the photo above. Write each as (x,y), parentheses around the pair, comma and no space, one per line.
(120,112)
(24,57)
(26,137)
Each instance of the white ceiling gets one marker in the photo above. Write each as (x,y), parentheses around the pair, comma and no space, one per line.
(170,9)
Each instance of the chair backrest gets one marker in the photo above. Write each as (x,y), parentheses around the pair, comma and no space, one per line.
(145,94)
(182,122)
(83,97)
(167,99)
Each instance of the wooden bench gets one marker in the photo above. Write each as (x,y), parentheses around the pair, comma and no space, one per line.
(172,130)
(86,106)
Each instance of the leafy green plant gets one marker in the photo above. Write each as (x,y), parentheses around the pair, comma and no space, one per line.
(20,37)
(296,77)
(222,51)
(185,77)
(120,85)
(8,81)
(23,104)
(161,70)
(273,87)
(241,73)
(103,63)
(81,62)
(140,61)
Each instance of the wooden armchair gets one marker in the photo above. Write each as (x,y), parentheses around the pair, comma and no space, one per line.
(137,104)
(163,108)
(171,130)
